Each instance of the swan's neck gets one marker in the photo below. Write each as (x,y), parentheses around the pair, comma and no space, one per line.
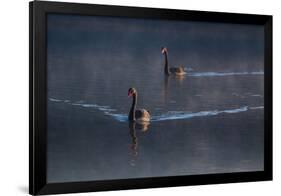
(133,108)
(167,71)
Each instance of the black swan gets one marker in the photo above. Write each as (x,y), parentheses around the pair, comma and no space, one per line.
(139,115)
(173,70)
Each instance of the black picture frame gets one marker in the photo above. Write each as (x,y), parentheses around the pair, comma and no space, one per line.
(37,101)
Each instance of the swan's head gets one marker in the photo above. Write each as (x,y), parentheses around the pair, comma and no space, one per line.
(164,49)
(131,92)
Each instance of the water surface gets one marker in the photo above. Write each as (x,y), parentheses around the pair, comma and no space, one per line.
(208,121)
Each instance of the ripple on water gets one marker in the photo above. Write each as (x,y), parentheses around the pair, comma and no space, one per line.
(170,115)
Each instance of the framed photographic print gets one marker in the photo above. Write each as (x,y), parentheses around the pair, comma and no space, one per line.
(127,97)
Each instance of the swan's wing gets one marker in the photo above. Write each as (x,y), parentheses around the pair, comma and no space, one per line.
(142,114)
(177,69)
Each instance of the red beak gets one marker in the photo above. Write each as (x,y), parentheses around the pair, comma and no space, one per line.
(129,94)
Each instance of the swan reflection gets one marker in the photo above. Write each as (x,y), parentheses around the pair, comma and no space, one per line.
(169,82)
(133,126)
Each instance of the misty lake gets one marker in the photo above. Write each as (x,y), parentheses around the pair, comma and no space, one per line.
(208,121)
